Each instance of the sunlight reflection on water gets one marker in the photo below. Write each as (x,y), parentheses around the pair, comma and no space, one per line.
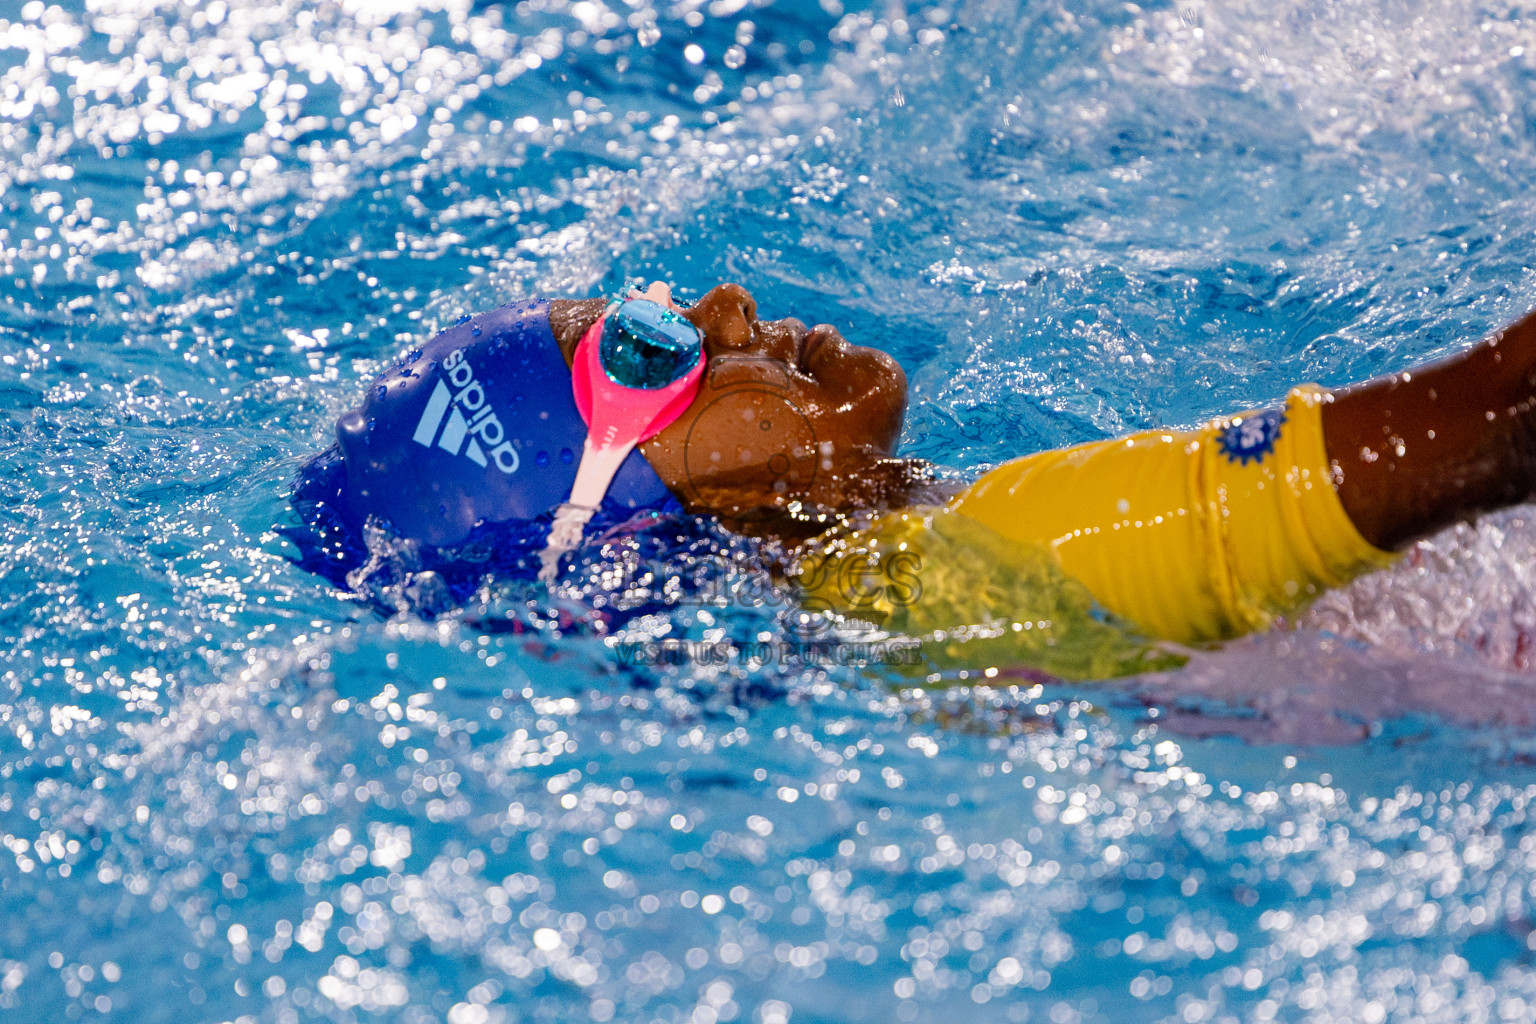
(230,792)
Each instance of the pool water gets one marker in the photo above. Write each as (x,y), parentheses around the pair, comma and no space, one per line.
(230,791)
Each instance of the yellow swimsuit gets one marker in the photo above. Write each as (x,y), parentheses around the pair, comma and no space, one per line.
(1190,536)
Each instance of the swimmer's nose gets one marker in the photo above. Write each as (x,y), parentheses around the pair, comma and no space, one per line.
(725,315)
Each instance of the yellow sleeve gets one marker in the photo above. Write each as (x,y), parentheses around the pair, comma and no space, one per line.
(971,599)
(1192,536)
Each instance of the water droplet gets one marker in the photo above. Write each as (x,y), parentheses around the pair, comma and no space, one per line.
(542,458)
(567,456)
(475,330)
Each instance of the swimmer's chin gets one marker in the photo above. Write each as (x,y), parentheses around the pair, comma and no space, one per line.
(883,484)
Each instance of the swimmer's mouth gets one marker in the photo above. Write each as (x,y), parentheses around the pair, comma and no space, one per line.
(810,343)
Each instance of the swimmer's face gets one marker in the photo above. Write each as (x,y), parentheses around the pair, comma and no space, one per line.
(786,414)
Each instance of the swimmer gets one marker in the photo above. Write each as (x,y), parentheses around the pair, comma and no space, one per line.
(470,447)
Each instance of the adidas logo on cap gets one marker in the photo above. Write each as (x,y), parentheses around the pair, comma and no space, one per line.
(487,437)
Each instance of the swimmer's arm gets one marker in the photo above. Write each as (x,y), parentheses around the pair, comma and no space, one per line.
(1416,451)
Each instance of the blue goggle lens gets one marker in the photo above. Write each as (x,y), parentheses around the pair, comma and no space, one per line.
(646,345)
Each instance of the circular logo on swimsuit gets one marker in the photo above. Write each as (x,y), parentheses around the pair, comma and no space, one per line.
(1252,436)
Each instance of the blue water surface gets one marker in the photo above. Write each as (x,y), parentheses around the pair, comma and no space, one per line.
(232,792)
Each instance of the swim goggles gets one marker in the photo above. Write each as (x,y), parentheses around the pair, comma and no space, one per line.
(635,370)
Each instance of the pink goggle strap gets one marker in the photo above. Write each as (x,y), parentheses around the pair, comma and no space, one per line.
(617,418)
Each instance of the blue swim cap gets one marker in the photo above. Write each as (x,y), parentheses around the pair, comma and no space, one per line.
(478,426)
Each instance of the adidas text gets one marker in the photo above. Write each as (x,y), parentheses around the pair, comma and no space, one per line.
(469,415)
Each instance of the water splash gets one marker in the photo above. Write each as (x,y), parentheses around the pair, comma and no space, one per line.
(229,791)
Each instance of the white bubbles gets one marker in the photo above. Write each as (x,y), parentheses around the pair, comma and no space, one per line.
(227,216)
(468,1013)
(775,1011)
